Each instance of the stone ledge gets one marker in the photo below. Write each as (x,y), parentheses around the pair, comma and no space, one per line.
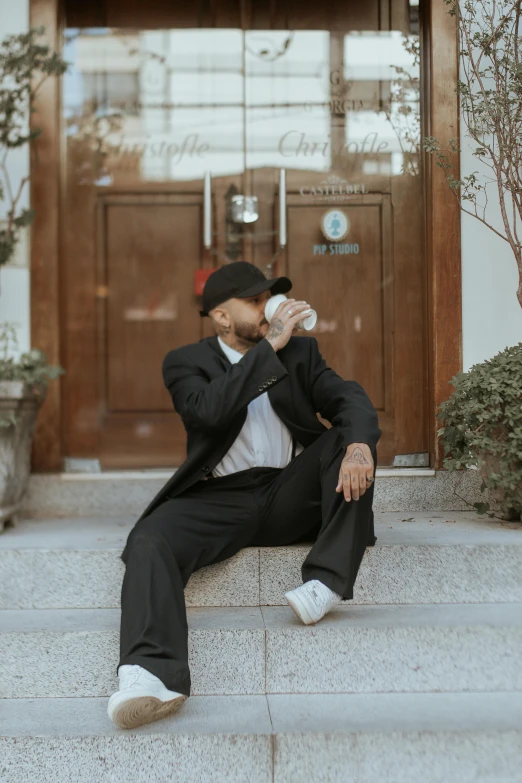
(397,738)
(418,558)
(354,649)
(370,713)
(86,495)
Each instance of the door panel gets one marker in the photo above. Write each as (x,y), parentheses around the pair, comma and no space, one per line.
(346,290)
(350,286)
(150,251)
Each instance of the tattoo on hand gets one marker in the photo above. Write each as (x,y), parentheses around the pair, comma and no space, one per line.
(358,457)
(275,329)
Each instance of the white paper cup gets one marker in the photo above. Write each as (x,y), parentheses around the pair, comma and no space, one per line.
(310,321)
(273,303)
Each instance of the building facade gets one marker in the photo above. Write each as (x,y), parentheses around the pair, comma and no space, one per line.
(181,139)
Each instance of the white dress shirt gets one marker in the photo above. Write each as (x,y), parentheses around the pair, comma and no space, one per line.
(264,440)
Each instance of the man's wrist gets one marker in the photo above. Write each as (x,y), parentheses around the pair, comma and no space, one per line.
(271,342)
(358,443)
(358,453)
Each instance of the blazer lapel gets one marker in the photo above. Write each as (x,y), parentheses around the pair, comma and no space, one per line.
(213,343)
(279,395)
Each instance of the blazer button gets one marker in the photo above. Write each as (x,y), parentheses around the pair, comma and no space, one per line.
(205,469)
(274,378)
(260,388)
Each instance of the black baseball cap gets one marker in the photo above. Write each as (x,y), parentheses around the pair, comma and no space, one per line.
(239,279)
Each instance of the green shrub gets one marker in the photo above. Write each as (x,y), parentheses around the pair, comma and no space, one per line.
(483,426)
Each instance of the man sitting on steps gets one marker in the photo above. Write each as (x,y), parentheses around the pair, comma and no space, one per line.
(261,470)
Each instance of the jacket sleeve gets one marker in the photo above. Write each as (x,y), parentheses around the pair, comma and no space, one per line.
(213,404)
(344,404)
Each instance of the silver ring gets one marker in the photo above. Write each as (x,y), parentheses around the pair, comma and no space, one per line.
(290,312)
(370,480)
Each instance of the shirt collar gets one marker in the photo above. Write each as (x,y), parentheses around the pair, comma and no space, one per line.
(232,354)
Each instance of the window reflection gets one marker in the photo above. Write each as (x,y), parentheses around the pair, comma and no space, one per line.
(287,109)
(172,104)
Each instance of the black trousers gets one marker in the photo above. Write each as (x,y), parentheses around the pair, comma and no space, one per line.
(217,517)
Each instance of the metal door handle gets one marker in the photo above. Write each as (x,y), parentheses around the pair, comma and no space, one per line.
(207,211)
(282,208)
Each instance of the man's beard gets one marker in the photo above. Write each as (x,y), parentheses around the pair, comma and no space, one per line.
(248,332)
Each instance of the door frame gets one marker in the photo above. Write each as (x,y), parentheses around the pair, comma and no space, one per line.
(442,232)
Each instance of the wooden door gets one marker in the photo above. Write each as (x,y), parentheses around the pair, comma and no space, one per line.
(316,91)
(358,155)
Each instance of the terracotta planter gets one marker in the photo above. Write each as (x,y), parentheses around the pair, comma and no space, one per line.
(491,463)
(20,401)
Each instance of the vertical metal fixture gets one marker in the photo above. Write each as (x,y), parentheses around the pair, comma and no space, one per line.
(207,211)
(282,208)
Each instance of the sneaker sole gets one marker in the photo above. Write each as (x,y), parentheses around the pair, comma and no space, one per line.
(140,710)
(300,609)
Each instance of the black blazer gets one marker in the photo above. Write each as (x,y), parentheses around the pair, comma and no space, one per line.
(212,395)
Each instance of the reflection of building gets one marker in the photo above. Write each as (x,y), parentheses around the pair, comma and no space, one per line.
(186,107)
(154,101)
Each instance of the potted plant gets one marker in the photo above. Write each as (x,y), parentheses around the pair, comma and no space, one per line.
(25,64)
(23,385)
(483,416)
(483,427)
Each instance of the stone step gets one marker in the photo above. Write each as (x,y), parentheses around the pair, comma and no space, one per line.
(111,493)
(354,649)
(452,557)
(370,738)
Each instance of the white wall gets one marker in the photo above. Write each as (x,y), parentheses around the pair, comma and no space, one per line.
(14,278)
(491,314)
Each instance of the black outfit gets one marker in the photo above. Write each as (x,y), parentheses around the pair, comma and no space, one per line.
(196,519)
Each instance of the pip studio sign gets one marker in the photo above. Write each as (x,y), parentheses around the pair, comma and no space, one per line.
(335,226)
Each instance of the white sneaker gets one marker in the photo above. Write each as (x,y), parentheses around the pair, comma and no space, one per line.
(141,698)
(312,600)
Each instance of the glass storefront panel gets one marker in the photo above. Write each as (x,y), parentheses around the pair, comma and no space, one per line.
(336,106)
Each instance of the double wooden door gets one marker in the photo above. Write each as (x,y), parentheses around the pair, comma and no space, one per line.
(323,99)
